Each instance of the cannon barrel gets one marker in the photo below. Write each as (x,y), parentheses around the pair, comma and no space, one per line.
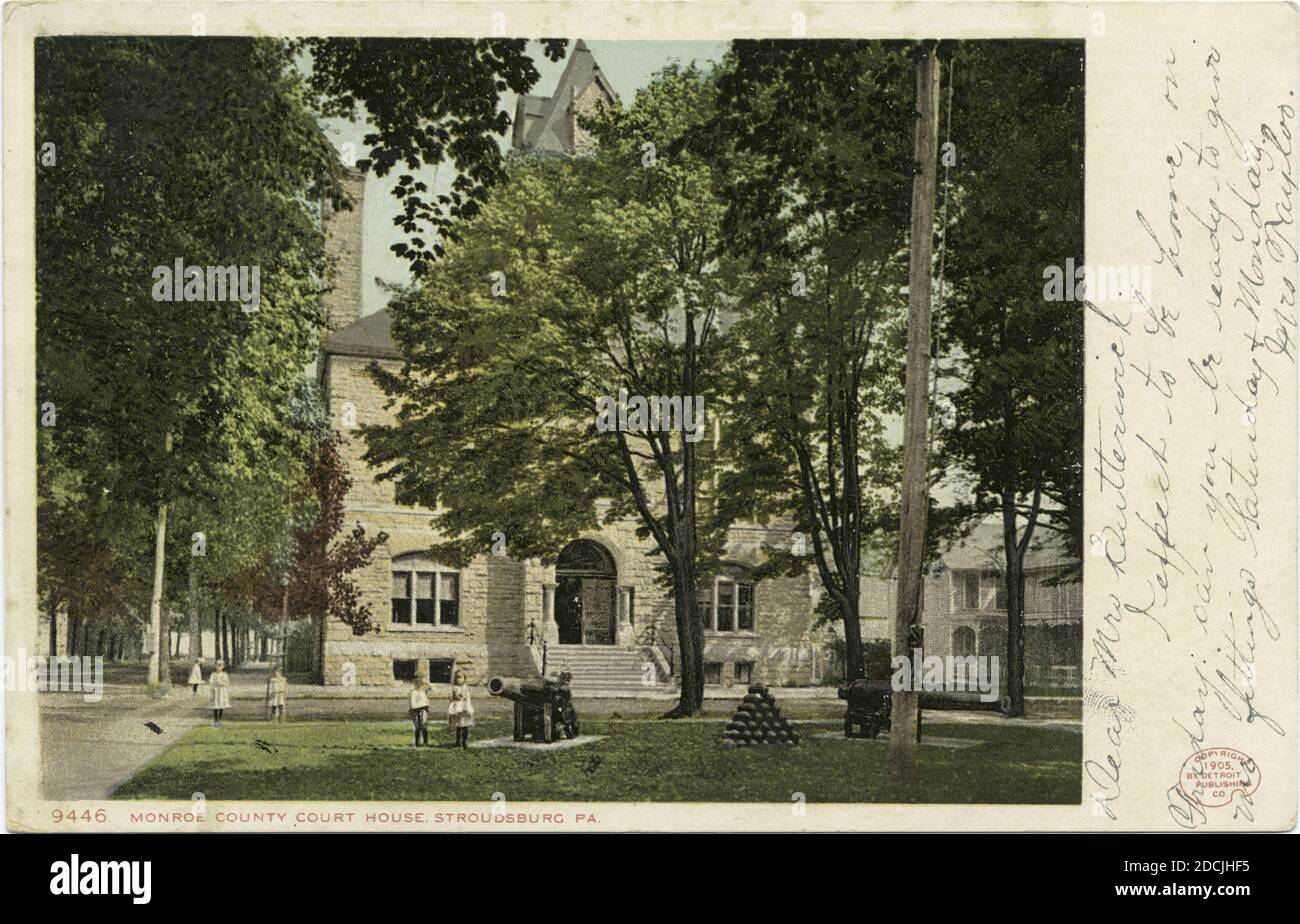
(863,690)
(515,689)
(532,692)
(960,699)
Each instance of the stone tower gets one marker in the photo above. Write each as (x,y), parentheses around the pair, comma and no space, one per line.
(550,123)
(343,247)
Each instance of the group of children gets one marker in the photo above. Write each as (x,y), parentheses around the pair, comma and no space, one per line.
(219,691)
(460,710)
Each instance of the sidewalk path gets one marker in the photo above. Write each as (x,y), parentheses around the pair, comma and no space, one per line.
(90,749)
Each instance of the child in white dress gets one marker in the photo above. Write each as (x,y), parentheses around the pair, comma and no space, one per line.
(276,695)
(219,681)
(196,677)
(460,710)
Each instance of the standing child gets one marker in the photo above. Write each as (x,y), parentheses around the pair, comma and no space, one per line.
(276,695)
(219,681)
(419,711)
(460,711)
(196,677)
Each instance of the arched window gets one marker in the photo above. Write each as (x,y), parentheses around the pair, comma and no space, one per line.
(727,604)
(424,595)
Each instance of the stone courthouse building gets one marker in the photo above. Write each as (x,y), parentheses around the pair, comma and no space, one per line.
(594,606)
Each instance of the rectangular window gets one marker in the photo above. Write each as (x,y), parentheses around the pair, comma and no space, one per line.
(402,597)
(1000,596)
(745,607)
(726,606)
(426,598)
(404,670)
(449,599)
(424,614)
(713,672)
(744,672)
(440,670)
(972,591)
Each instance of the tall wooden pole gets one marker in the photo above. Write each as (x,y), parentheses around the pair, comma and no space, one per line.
(905,707)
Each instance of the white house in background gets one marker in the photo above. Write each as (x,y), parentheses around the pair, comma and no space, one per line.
(965,607)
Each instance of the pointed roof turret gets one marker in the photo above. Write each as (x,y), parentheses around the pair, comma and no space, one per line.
(548,123)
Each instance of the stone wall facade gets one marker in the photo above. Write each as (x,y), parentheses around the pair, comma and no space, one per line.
(501,600)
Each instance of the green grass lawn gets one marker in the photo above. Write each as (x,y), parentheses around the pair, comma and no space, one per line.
(639,760)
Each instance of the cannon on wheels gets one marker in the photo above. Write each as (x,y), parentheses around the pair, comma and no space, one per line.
(543,708)
(866,711)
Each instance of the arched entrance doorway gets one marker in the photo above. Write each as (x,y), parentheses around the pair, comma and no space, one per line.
(586,588)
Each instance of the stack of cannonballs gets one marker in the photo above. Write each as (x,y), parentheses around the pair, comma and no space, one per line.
(758,720)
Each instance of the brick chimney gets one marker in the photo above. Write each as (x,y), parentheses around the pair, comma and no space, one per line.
(343,247)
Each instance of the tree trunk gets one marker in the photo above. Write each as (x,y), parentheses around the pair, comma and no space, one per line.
(905,717)
(195,647)
(99,643)
(158,660)
(690,632)
(1015,632)
(159,670)
(854,667)
(54,626)
(319,673)
(690,638)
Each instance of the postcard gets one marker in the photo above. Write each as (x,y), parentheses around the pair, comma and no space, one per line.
(613,416)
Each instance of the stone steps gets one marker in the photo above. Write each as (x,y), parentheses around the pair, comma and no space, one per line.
(603,668)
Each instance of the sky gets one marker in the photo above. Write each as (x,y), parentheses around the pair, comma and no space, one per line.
(628,65)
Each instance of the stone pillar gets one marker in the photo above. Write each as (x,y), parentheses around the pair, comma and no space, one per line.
(623,626)
(550,631)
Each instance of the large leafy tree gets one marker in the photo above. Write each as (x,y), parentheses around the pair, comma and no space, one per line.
(208,149)
(90,567)
(818,202)
(309,576)
(430,101)
(1018,130)
(203,150)
(579,278)
(214,559)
